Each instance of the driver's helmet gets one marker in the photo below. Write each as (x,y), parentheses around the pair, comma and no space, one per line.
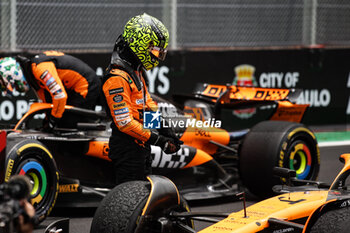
(147,38)
(11,76)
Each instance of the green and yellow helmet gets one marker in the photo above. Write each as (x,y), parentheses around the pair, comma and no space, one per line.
(147,38)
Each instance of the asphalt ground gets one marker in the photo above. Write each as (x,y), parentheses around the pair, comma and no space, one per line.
(81,218)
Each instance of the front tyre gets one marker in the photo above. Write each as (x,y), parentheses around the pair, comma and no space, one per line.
(119,210)
(337,220)
(272,144)
(33,159)
(122,207)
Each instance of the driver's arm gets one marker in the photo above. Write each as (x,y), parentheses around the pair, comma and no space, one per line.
(120,108)
(47,76)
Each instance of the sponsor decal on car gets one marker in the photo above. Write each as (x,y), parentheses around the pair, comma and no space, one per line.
(118,98)
(68,188)
(175,160)
(116,90)
(9,169)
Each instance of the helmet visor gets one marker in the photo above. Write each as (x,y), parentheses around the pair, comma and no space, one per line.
(158,52)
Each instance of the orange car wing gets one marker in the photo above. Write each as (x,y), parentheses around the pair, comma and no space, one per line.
(246,93)
(287,111)
(285,207)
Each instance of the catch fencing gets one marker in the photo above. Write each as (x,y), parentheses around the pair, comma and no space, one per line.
(93,25)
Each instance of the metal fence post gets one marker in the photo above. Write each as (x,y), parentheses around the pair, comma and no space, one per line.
(309,22)
(170,20)
(13,25)
(174,24)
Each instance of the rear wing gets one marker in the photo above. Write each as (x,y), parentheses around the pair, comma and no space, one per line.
(230,94)
(240,97)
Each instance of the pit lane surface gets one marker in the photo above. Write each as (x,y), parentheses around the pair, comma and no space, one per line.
(80,218)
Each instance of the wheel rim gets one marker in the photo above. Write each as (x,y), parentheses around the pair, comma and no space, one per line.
(37,174)
(300,160)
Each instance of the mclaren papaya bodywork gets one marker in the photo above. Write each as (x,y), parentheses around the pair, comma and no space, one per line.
(75,160)
(303,206)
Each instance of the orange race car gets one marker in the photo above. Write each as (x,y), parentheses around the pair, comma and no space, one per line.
(213,162)
(157,206)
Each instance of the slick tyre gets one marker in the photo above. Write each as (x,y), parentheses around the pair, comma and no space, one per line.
(272,144)
(120,210)
(337,221)
(33,159)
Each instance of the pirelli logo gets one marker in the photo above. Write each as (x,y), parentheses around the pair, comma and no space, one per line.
(68,188)
(9,169)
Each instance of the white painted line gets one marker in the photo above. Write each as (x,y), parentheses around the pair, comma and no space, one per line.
(334,143)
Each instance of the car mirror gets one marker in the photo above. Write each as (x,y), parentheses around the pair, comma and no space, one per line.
(284,172)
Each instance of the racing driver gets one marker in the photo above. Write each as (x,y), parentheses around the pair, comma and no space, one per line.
(140,47)
(56,78)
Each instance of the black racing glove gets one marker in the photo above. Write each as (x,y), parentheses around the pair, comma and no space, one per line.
(51,123)
(168,132)
(167,144)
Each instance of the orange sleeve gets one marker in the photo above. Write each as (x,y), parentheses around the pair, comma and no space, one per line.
(46,74)
(117,93)
(153,106)
(150,102)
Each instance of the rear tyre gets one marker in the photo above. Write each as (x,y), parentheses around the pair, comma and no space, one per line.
(33,159)
(277,143)
(333,221)
(121,209)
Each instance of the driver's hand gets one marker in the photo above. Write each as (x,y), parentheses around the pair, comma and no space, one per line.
(50,123)
(168,145)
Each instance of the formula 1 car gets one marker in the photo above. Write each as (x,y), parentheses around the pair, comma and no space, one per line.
(212,162)
(302,206)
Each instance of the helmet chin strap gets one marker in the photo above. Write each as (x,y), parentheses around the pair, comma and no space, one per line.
(123,51)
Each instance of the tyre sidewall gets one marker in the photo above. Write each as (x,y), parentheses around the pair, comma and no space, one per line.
(267,146)
(121,207)
(32,150)
(300,135)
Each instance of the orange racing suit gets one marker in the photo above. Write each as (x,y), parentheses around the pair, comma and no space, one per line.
(62,79)
(127,98)
(126,103)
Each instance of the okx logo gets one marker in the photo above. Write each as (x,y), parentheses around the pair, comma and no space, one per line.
(151,120)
